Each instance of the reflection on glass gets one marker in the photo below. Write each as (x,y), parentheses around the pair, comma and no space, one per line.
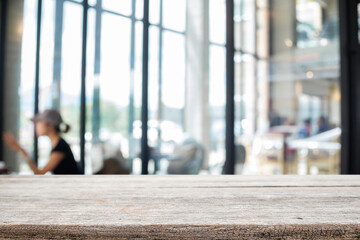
(317,23)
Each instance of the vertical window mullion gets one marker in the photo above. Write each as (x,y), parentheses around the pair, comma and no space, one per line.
(2,67)
(37,75)
(144,108)
(230,117)
(59,14)
(83,87)
(96,119)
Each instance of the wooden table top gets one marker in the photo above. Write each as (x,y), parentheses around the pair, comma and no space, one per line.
(161,207)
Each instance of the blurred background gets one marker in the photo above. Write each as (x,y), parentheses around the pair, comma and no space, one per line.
(287,97)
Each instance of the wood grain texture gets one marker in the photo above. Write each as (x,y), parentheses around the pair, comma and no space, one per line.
(187,207)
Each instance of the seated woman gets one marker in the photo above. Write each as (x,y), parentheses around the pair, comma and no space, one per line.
(49,123)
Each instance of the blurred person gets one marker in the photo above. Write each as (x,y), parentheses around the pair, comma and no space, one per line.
(305,131)
(275,119)
(323,125)
(49,123)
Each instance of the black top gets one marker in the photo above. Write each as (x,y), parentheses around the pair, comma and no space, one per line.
(68,164)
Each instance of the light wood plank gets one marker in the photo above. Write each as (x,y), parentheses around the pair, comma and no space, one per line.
(241,207)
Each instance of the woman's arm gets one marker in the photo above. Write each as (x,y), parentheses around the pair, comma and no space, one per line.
(55,157)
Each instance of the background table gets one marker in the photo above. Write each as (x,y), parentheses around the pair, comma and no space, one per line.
(160,207)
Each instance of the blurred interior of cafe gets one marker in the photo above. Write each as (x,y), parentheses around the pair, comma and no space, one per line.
(85,59)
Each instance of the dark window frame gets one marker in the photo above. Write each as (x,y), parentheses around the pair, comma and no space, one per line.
(350,86)
(2,68)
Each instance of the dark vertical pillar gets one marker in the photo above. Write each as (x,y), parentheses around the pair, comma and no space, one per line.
(350,86)
(59,13)
(37,73)
(229,167)
(144,108)
(83,87)
(96,120)
(2,67)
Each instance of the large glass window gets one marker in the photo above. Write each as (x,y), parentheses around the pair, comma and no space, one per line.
(288,96)
(166,81)
(173,75)
(287,92)
(60,68)
(217,98)
(123,6)
(27,83)
(317,23)
(46,73)
(217,21)
(114,90)
(216,86)
(70,83)
(174,13)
